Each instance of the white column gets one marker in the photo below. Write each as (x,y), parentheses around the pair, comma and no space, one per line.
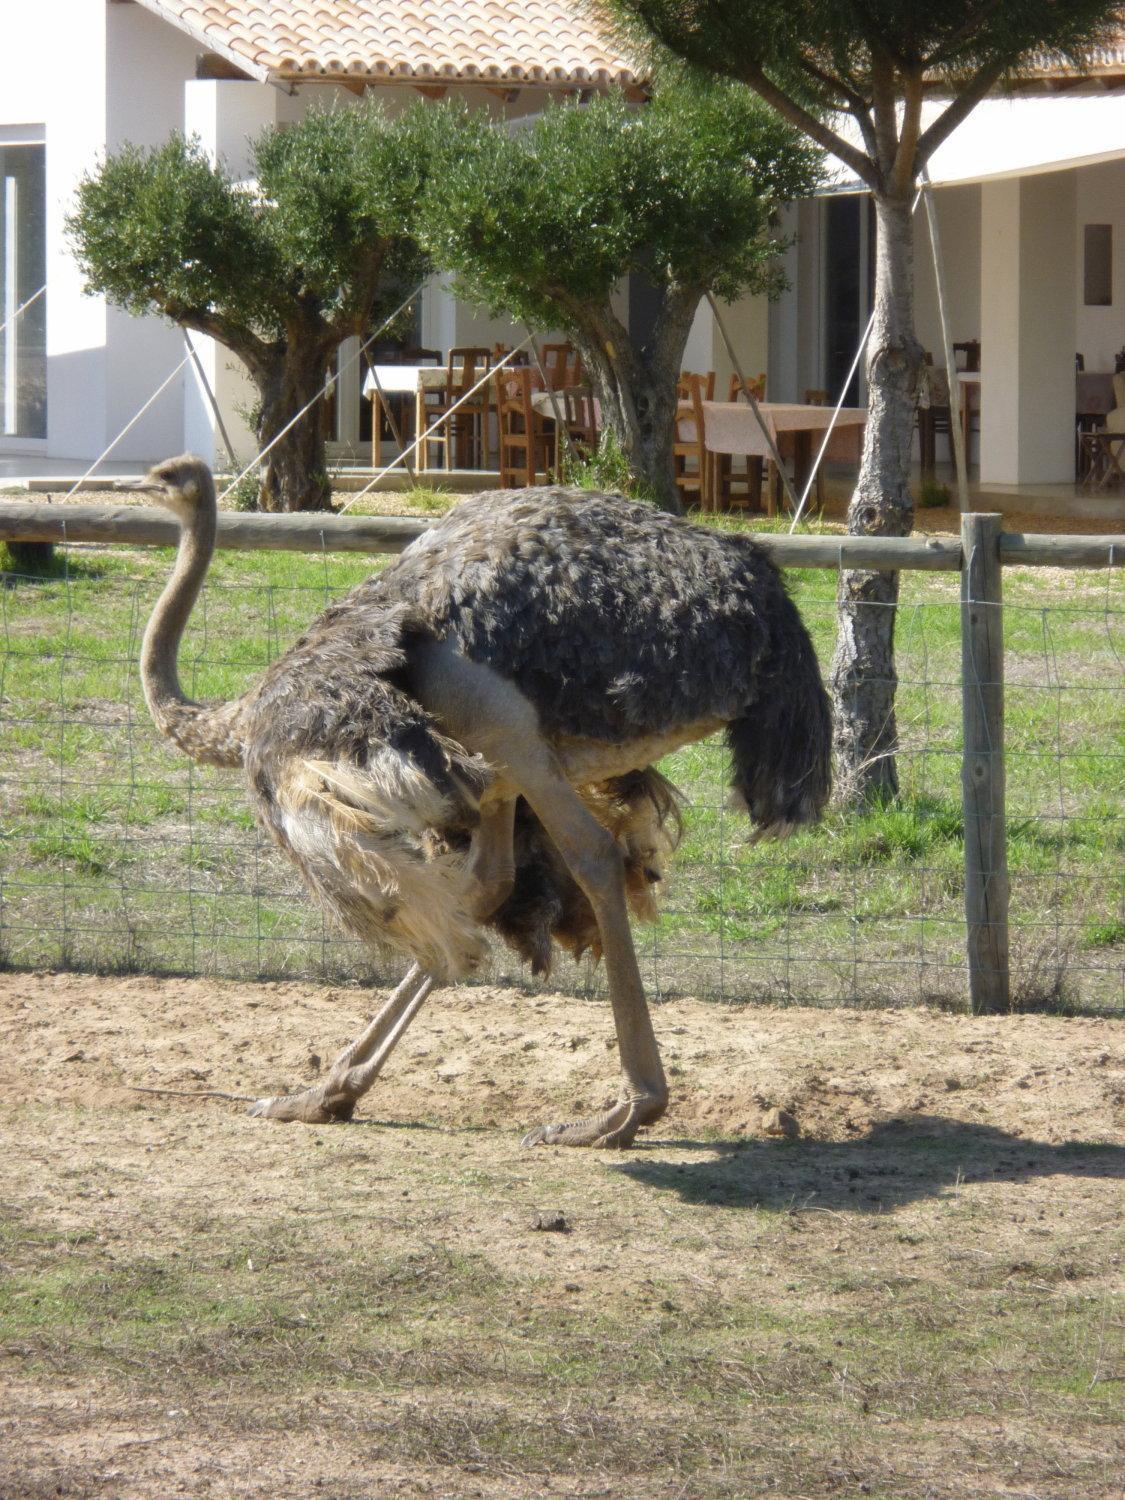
(1028,330)
(226,115)
(349,380)
(781,378)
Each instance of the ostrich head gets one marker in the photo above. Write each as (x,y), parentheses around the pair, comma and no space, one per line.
(183,484)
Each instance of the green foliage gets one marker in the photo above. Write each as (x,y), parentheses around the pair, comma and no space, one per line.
(823,52)
(606,469)
(931,495)
(243,494)
(164,230)
(545,220)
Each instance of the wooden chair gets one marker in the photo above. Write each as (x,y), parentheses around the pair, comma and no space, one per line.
(464,435)
(688,445)
(580,419)
(969,352)
(526,441)
(562,365)
(817,397)
(935,417)
(757,386)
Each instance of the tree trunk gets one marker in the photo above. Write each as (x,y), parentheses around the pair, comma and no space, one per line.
(636,388)
(293,475)
(863,668)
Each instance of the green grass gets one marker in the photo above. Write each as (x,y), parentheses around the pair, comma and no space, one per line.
(99,821)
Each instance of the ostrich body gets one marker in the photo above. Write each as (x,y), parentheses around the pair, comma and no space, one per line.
(467,741)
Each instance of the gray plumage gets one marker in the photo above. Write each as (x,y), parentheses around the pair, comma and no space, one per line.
(617,622)
(614,619)
(569,640)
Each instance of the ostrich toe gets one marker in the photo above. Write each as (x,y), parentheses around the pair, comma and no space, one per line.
(313,1107)
(613,1129)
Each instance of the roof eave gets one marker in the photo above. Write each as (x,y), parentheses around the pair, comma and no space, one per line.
(287,78)
(208,41)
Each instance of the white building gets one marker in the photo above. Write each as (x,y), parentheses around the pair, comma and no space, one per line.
(1020,184)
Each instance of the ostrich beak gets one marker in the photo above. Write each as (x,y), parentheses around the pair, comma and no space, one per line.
(144,483)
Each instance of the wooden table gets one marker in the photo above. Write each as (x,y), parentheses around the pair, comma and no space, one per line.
(402,380)
(730,427)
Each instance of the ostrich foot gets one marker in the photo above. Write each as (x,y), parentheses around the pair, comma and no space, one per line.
(613,1128)
(356,1068)
(312,1107)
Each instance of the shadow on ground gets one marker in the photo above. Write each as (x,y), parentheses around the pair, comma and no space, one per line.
(899,1161)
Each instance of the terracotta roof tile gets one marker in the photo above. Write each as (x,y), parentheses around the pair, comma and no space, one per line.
(557,41)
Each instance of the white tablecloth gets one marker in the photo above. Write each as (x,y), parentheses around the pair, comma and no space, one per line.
(402,380)
(731,427)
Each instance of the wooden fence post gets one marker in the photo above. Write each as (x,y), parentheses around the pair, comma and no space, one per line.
(982,765)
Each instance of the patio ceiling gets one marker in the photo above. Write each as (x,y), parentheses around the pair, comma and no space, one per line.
(425,43)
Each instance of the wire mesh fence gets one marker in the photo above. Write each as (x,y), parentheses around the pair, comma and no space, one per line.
(118,854)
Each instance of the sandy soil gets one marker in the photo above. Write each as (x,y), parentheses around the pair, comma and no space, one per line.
(501,1059)
(1031,1111)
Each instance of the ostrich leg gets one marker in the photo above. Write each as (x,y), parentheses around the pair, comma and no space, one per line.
(595,861)
(358,1066)
(491,869)
(488,714)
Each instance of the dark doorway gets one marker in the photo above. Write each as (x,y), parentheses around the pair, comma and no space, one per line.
(843,269)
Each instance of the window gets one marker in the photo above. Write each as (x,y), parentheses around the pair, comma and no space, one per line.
(23,305)
(1098,265)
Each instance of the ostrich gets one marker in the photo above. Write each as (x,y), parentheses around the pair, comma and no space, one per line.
(468,740)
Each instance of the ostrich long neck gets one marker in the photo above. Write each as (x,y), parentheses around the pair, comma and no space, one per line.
(206,733)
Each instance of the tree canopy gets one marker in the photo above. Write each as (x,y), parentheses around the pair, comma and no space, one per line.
(811,60)
(545,221)
(281,268)
(542,220)
(876,61)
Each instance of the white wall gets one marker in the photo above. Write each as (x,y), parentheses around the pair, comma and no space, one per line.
(93,75)
(1027,330)
(1100,198)
(147,64)
(958,215)
(65,105)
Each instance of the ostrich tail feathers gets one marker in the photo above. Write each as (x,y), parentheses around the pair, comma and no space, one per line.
(782,745)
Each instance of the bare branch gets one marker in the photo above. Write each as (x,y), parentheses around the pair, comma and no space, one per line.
(236,336)
(904,170)
(851,97)
(961,107)
(863,167)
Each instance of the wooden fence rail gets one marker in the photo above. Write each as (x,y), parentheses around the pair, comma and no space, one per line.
(147,526)
(979,555)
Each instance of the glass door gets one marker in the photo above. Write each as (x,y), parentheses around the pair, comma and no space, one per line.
(23,303)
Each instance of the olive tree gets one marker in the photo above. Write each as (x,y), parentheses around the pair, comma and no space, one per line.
(280,269)
(544,222)
(875,61)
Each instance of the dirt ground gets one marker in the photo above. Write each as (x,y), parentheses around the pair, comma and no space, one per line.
(916,1297)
